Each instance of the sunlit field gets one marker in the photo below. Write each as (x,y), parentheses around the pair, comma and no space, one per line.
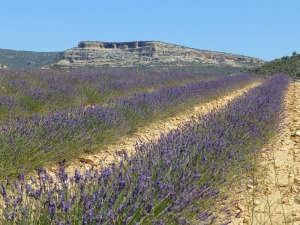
(51,116)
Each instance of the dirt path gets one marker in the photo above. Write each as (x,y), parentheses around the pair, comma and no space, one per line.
(272,195)
(106,155)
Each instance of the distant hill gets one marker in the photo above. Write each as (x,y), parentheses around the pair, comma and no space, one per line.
(27,59)
(150,54)
(140,54)
(288,65)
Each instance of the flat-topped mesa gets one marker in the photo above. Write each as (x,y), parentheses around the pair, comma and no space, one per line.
(115,45)
(147,53)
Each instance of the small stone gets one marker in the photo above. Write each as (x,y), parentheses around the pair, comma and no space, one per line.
(87,161)
(246,219)
(52,169)
(263,155)
(249,186)
(291,175)
(268,189)
(296,218)
(256,202)
(282,185)
(238,213)
(297,180)
(240,207)
(295,190)
(296,133)
(297,199)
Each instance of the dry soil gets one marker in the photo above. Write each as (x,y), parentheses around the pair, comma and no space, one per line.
(272,194)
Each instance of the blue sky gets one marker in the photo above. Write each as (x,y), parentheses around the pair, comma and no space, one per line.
(265,29)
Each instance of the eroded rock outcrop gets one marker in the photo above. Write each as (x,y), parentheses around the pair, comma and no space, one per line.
(148,53)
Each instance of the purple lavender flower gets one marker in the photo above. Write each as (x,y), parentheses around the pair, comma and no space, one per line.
(163,181)
(204,216)
(52,209)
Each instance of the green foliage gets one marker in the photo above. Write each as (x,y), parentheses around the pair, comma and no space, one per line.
(214,69)
(27,59)
(92,96)
(31,104)
(287,65)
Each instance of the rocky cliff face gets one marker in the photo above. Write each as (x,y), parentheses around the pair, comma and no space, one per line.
(147,53)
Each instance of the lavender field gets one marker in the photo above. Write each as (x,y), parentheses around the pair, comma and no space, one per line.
(174,180)
(28,142)
(31,91)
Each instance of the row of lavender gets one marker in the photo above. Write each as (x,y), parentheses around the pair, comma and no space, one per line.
(176,180)
(29,142)
(37,91)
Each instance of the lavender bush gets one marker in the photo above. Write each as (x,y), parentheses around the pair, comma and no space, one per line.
(29,142)
(175,180)
(30,91)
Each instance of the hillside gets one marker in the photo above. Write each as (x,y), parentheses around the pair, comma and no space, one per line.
(149,54)
(142,54)
(288,65)
(27,59)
